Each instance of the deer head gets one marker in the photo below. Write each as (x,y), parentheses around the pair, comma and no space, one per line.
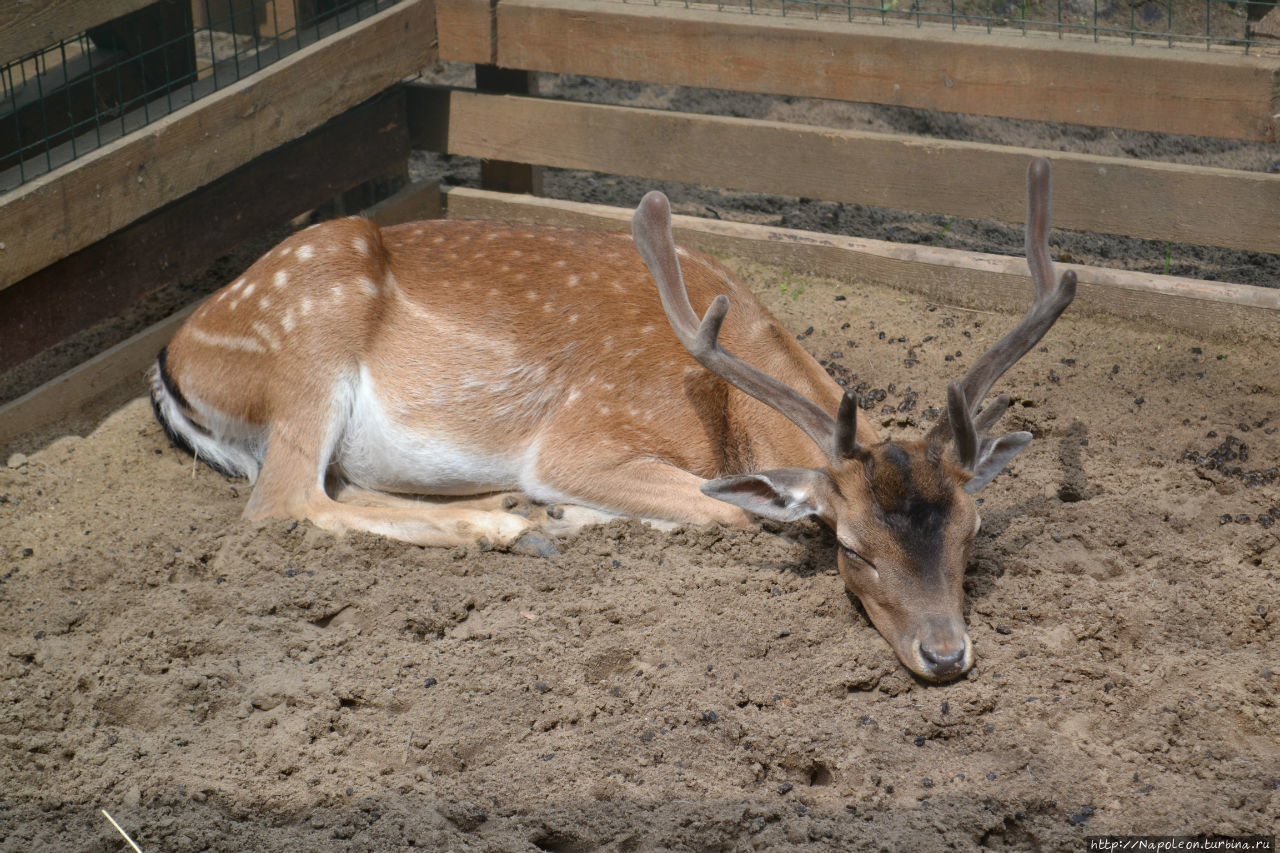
(902,511)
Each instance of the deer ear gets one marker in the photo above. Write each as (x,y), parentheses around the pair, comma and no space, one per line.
(993,455)
(783,494)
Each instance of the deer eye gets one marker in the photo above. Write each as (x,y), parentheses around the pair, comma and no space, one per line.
(849,552)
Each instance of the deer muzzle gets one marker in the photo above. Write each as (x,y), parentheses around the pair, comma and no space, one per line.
(938,649)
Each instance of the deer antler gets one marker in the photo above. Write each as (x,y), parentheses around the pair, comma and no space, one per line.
(651,228)
(1050,300)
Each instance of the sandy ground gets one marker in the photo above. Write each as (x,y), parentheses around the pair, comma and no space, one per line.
(222,686)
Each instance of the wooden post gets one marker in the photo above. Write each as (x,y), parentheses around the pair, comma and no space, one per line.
(501,175)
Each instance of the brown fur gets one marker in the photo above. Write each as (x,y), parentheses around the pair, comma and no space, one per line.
(537,358)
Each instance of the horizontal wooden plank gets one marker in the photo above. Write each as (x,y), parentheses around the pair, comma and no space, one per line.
(65,394)
(74,206)
(1157,201)
(92,284)
(31,25)
(410,204)
(947,276)
(1036,76)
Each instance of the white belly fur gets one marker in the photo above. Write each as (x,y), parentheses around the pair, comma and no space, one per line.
(377,452)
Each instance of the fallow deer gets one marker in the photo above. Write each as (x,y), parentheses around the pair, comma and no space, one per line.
(359,376)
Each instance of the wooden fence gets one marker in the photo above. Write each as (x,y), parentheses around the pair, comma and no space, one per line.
(196,183)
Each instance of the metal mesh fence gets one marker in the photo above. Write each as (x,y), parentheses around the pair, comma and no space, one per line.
(77,95)
(1240,24)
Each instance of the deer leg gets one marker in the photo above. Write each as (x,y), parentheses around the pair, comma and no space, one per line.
(349,493)
(650,489)
(553,520)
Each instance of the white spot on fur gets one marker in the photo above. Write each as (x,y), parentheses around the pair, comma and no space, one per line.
(573,318)
(236,343)
(361,245)
(287,322)
(305,305)
(305,252)
(336,292)
(285,251)
(267,336)
(235,288)
(280,279)
(264,303)
(647,329)
(366,284)
(574,280)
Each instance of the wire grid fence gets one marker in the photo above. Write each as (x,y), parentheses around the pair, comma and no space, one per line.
(1240,24)
(75,96)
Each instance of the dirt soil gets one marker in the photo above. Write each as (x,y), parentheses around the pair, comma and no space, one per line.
(217,685)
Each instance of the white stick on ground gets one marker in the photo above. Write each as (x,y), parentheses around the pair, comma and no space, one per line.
(120,830)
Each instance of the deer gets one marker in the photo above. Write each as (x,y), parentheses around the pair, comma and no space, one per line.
(466,382)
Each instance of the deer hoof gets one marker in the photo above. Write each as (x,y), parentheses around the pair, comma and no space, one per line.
(533,544)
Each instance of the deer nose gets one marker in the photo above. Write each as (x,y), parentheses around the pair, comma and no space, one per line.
(943,663)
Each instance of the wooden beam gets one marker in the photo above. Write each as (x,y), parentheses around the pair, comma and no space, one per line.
(1036,76)
(74,206)
(1155,201)
(508,175)
(63,395)
(416,201)
(466,29)
(948,276)
(100,280)
(31,25)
